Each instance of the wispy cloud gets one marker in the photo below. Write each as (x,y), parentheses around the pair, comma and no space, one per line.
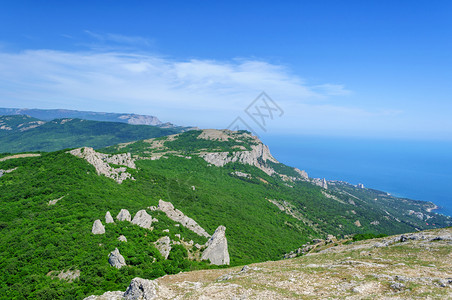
(206,93)
(119,39)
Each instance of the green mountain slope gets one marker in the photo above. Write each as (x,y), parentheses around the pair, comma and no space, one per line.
(25,133)
(214,177)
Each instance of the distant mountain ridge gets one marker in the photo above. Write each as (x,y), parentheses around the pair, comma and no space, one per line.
(19,133)
(51,114)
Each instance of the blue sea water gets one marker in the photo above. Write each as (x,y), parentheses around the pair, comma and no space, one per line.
(420,170)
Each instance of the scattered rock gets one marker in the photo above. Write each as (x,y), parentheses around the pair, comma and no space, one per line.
(177,235)
(357,223)
(141,289)
(53,202)
(116,259)
(98,228)
(177,216)
(122,238)
(108,218)
(142,219)
(165,230)
(397,286)
(217,248)
(163,245)
(124,215)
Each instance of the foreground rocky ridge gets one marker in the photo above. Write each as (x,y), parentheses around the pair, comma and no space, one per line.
(411,266)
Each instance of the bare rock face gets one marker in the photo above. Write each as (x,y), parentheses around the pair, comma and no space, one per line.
(142,219)
(116,259)
(124,215)
(302,173)
(320,182)
(258,153)
(122,238)
(141,289)
(98,228)
(101,162)
(107,296)
(108,218)
(163,245)
(178,216)
(217,248)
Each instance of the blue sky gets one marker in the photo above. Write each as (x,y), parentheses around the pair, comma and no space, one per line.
(344,68)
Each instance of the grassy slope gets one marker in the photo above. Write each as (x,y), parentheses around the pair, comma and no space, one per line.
(36,238)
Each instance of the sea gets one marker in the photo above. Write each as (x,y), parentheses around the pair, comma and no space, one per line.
(420,170)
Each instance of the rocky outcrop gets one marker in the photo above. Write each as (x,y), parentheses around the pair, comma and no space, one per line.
(163,245)
(118,295)
(139,289)
(116,259)
(3,172)
(142,219)
(320,182)
(257,157)
(54,201)
(122,238)
(108,218)
(302,174)
(178,216)
(217,248)
(124,215)
(101,162)
(98,228)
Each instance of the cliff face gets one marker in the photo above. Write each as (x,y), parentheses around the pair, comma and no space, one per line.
(256,157)
(102,162)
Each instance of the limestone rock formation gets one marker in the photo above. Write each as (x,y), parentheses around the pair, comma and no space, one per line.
(320,182)
(163,245)
(302,173)
(98,228)
(53,202)
(141,289)
(118,295)
(259,153)
(124,215)
(142,219)
(108,218)
(116,259)
(217,248)
(122,238)
(178,216)
(101,162)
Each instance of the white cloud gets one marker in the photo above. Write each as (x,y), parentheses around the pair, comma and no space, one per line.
(119,39)
(205,93)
